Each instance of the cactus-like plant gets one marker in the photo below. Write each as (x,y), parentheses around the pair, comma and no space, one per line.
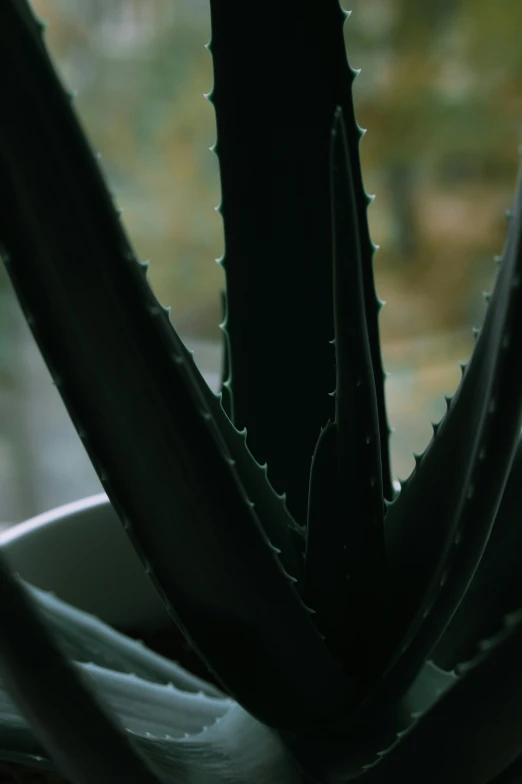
(358,632)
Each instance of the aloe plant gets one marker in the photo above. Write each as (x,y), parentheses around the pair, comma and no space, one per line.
(357,632)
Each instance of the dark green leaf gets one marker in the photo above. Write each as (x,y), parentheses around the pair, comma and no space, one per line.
(65,717)
(273,148)
(144,421)
(473,732)
(345,561)
(438,527)
(226,379)
(496,589)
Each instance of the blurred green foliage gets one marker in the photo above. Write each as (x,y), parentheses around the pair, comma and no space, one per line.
(440,92)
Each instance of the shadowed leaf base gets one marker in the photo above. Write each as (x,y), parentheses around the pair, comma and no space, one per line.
(22,774)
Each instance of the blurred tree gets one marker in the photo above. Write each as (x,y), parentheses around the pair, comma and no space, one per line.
(444,124)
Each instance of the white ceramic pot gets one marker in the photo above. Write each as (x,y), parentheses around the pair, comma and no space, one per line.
(81,553)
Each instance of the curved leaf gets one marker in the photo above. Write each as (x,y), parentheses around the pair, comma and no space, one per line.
(496,588)
(439,525)
(167,726)
(65,716)
(226,379)
(449,727)
(122,372)
(512,774)
(84,638)
(339,756)
(473,732)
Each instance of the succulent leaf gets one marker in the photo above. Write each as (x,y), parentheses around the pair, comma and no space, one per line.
(511,774)
(345,559)
(67,719)
(439,526)
(226,379)
(496,588)
(185,738)
(282,364)
(271,510)
(127,384)
(471,732)
(84,638)
(360,633)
